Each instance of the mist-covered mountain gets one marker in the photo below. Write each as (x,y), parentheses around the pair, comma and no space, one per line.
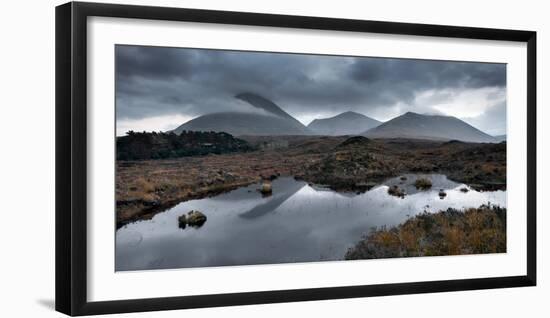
(348,123)
(270,120)
(433,127)
(239,124)
(265,104)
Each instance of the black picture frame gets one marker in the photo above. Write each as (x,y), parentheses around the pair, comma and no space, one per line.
(71,157)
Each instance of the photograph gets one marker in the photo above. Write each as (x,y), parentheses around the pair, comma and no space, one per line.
(233,158)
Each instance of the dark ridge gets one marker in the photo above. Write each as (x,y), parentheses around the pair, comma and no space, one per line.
(355,140)
(454,141)
(153,145)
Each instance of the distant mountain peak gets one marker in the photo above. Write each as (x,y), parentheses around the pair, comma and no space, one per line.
(346,123)
(239,124)
(413,114)
(261,102)
(435,127)
(276,122)
(350,113)
(248,95)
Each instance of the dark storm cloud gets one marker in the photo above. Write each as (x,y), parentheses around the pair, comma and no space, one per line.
(155,81)
(411,76)
(152,62)
(422,73)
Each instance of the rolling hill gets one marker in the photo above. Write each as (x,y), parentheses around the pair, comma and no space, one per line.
(348,123)
(431,127)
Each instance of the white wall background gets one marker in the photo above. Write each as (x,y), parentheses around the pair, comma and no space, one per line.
(27,157)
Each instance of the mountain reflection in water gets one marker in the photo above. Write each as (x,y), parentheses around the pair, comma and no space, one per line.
(298,223)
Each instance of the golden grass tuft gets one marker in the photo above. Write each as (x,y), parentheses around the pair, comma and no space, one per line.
(144,185)
(452,232)
(423,183)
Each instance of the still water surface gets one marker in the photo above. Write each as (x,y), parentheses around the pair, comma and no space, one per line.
(298,223)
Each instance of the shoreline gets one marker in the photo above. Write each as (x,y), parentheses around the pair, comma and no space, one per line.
(145,211)
(354,164)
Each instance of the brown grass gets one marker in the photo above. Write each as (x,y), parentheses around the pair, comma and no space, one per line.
(473,231)
(150,186)
(423,183)
(146,187)
(396,191)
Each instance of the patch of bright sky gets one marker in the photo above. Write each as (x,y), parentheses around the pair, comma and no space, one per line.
(463,104)
(157,123)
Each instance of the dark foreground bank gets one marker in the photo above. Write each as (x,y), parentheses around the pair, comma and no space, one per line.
(452,232)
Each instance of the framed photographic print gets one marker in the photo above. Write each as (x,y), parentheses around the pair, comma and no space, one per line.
(208,158)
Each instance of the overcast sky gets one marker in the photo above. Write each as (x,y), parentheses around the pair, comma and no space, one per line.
(160,88)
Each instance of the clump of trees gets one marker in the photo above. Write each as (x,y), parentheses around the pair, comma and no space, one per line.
(159,145)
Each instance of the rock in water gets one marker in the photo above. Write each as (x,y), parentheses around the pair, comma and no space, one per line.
(182,221)
(266,188)
(193,218)
(196,218)
(396,191)
(423,183)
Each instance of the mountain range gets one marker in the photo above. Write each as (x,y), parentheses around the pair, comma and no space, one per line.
(267,118)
